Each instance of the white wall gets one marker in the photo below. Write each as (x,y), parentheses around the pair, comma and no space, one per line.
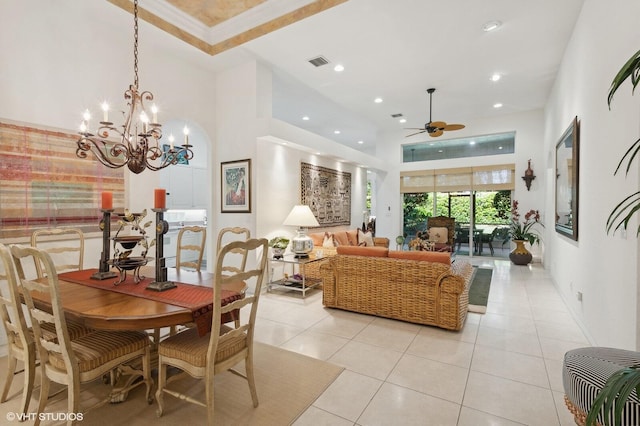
(603,267)
(278,187)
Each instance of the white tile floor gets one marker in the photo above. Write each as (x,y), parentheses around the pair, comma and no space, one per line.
(503,368)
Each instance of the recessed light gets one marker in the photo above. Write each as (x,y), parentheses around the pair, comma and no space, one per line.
(497,105)
(491,26)
(360,142)
(403,120)
(337,132)
(377,100)
(499,147)
(440,151)
(472,143)
(495,77)
(305,118)
(338,68)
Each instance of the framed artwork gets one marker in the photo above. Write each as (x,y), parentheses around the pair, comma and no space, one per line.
(567,180)
(328,193)
(236,186)
(181,156)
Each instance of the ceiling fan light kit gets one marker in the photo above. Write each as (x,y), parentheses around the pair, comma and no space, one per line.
(434,128)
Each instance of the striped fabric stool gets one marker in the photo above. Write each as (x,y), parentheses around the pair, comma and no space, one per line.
(586,370)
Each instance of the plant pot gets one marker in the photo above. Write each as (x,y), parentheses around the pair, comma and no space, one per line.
(520,255)
(278,253)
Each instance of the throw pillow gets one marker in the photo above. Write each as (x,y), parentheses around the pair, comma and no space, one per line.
(328,240)
(438,234)
(365,239)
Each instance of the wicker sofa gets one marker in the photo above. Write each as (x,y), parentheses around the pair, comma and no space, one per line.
(419,287)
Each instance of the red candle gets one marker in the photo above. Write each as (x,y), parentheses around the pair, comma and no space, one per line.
(107,200)
(160,198)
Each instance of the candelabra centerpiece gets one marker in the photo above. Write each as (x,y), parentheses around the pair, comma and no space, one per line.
(136,143)
(124,258)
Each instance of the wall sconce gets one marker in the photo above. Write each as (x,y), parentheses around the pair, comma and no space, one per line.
(528,176)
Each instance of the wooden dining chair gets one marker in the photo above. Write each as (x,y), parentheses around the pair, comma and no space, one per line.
(183,247)
(238,260)
(222,348)
(90,356)
(68,250)
(20,339)
(20,343)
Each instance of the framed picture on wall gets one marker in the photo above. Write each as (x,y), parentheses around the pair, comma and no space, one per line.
(235,178)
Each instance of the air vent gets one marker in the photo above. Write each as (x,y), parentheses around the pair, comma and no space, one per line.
(396,115)
(319,61)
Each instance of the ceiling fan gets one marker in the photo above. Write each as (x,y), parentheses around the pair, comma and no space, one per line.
(434,128)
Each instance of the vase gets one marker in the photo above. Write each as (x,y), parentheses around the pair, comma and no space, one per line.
(520,255)
(278,253)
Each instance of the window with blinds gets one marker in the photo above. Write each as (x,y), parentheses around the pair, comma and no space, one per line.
(480,178)
(44,184)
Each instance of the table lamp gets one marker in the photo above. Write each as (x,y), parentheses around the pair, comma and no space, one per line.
(302,217)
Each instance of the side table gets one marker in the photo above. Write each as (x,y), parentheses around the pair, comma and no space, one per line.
(290,282)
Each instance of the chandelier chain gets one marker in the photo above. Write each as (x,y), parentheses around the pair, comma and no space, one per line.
(135,43)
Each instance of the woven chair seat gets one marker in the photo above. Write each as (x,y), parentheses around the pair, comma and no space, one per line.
(188,346)
(586,370)
(98,348)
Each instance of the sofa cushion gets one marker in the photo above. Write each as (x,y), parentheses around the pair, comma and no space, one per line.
(363,251)
(340,238)
(438,234)
(317,238)
(365,239)
(328,240)
(428,256)
(352,237)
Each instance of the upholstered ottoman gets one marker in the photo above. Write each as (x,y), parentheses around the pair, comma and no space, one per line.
(586,370)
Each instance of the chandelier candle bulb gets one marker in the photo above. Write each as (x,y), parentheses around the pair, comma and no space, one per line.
(105,111)
(171,139)
(154,112)
(160,198)
(107,200)
(186,135)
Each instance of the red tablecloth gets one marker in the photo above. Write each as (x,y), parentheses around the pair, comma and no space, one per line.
(198,299)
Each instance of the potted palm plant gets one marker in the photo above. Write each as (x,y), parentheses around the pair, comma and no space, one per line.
(621,384)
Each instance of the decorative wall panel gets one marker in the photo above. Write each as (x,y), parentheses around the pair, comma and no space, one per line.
(44,184)
(328,193)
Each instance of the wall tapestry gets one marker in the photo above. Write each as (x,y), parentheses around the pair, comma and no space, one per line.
(44,184)
(328,193)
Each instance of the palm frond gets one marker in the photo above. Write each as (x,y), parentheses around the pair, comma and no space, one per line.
(612,397)
(633,150)
(630,69)
(629,205)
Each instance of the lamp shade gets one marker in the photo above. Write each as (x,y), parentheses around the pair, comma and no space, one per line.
(302,216)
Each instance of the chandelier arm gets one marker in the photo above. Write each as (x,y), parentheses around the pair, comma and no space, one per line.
(102,152)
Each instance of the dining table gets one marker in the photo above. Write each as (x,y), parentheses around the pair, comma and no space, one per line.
(103,305)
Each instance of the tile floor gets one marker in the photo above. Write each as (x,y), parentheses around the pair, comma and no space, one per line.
(503,368)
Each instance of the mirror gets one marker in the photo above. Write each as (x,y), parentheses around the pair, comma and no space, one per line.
(567,174)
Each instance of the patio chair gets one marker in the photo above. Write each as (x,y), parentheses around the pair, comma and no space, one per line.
(442,231)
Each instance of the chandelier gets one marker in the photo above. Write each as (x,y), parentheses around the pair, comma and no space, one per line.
(135,144)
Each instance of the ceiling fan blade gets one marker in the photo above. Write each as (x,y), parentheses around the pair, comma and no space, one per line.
(454,127)
(436,133)
(438,124)
(416,133)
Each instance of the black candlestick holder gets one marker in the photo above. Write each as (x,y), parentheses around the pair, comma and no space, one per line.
(104,272)
(161,283)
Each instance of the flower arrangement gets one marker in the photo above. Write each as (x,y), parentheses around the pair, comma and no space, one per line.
(525,230)
(279,242)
